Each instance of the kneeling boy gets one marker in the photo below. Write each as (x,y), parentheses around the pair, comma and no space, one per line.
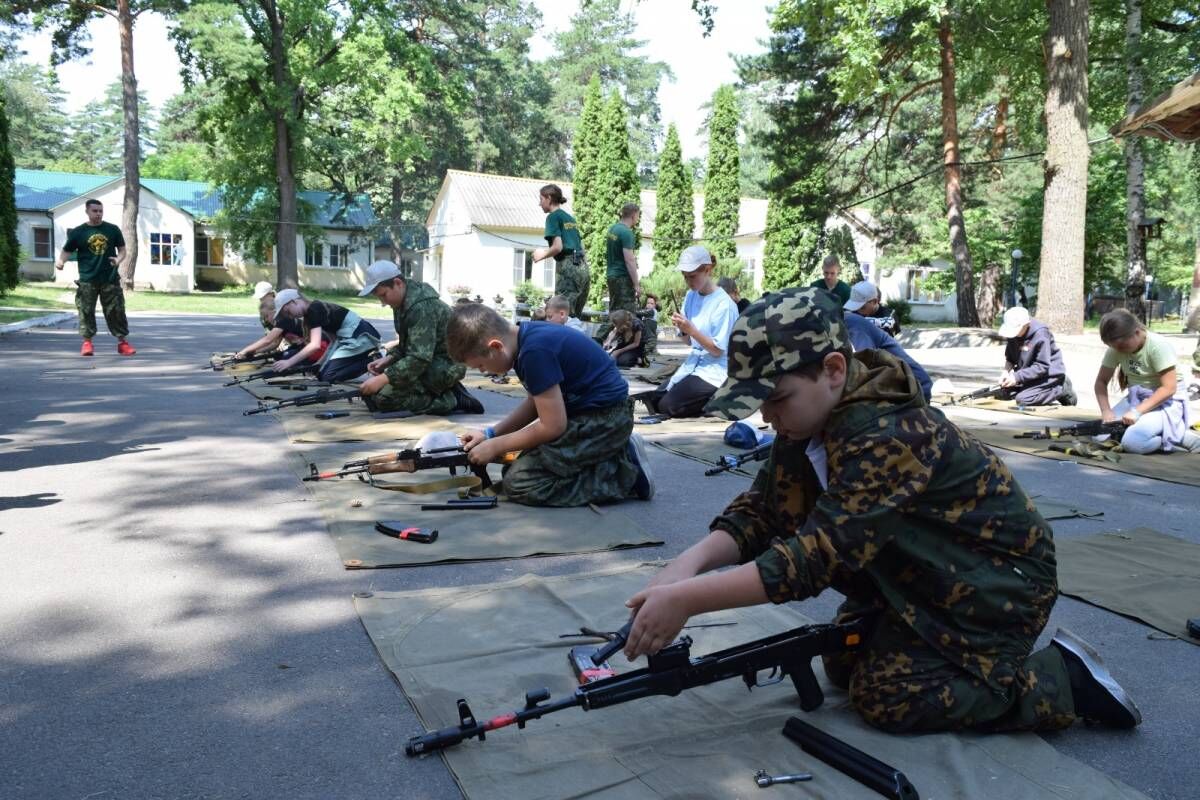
(922,528)
(1033,365)
(573,430)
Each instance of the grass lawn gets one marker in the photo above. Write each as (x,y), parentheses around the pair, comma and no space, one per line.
(16,316)
(233,300)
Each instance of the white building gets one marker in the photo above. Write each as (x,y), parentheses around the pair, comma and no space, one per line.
(177,242)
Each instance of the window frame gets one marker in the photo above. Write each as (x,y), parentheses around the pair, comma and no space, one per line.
(49,243)
(162,248)
(309,246)
(342,261)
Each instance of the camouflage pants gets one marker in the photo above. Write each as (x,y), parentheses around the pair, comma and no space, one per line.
(649,335)
(572,281)
(901,684)
(620,296)
(112,300)
(429,394)
(589,463)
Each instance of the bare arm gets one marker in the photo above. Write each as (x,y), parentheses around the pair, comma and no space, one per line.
(1165,391)
(632,266)
(542,253)
(1100,387)
(269,339)
(549,423)
(637,340)
(311,346)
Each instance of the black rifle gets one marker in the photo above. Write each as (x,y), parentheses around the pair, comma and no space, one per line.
(759,453)
(314,399)
(669,672)
(263,375)
(995,390)
(1092,428)
(413,460)
(229,361)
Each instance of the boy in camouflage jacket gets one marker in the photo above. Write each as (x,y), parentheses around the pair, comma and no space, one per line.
(871,492)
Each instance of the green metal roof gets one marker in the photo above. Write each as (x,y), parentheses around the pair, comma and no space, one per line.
(40,191)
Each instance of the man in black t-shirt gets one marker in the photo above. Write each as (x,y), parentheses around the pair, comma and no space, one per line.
(100,247)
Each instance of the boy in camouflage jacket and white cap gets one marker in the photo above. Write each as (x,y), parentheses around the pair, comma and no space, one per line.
(873,493)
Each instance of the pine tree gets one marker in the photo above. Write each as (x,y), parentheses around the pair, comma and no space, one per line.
(722,182)
(585,152)
(616,183)
(790,252)
(10,257)
(674,220)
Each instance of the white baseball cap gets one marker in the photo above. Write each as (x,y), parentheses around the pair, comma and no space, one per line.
(378,272)
(284,297)
(1014,319)
(861,293)
(262,289)
(694,258)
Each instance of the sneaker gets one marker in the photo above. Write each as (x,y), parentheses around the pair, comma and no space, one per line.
(1097,696)
(1191,442)
(1068,396)
(87,349)
(125,348)
(643,487)
(465,403)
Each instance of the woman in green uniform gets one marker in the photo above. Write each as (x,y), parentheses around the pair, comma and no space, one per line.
(571,278)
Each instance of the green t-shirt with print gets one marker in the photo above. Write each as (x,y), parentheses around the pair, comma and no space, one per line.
(620,239)
(95,246)
(1142,367)
(560,223)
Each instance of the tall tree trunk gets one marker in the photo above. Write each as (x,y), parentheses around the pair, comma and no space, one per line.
(1192,313)
(286,263)
(991,295)
(131,148)
(1060,275)
(964,279)
(1135,170)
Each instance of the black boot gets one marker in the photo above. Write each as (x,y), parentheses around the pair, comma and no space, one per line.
(1068,396)
(464,403)
(1097,696)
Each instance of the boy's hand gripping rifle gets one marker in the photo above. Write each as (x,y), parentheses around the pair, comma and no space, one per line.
(759,453)
(669,672)
(218,364)
(414,460)
(314,399)
(1093,428)
(270,373)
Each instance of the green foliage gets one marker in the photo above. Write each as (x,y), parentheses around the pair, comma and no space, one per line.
(674,220)
(902,310)
(533,294)
(840,243)
(10,249)
(601,42)
(36,120)
(668,286)
(722,180)
(586,155)
(790,253)
(183,162)
(616,183)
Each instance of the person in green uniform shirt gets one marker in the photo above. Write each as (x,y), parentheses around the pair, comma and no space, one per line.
(869,491)
(829,280)
(417,374)
(101,248)
(620,259)
(571,278)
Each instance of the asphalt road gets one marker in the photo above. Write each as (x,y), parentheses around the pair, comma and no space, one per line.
(175,621)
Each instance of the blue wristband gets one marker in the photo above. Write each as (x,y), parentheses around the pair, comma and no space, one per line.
(489,432)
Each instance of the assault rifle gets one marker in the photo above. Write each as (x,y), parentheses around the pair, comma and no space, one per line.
(263,375)
(228,361)
(759,453)
(669,672)
(1092,428)
(314,399)
(995,390)
(413,460)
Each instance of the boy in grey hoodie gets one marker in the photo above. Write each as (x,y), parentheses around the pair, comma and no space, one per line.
(1033,365)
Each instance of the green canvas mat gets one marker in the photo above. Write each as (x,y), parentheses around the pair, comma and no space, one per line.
(490,644)
(1051,508)
(1176,467)
(1140,573)
(302,426)
(352,507)
(291,386)
(1061,415)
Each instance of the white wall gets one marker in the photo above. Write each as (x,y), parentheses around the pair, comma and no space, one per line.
(39,269)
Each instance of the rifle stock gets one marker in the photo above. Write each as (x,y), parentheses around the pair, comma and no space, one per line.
(995,390)
(668,673)
(314,399)
(414,460)
(1092,428)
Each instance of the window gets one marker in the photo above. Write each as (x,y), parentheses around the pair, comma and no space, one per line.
(548,274)
(41,243)
(339,256)
(210,252)
(164,248)
(314,254)
(918,292)
(268,254)
(522,265)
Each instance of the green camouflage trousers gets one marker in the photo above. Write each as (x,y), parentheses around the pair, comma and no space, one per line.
(572,281)
(589,463)
(649,335)
(620,296)
(112,300)
(901,684)
(429,394)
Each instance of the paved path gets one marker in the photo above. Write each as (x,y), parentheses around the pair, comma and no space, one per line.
(175,621)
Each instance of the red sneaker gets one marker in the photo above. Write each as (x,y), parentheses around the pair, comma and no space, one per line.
(125,348)
(86,349)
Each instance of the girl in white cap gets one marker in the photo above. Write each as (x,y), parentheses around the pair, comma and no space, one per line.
(706,322)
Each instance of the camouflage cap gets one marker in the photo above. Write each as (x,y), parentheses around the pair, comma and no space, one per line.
(776,335)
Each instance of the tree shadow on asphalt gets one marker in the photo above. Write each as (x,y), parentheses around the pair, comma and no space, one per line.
(38,500)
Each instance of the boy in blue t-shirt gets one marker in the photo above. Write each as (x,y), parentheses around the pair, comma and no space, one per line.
(573,430)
